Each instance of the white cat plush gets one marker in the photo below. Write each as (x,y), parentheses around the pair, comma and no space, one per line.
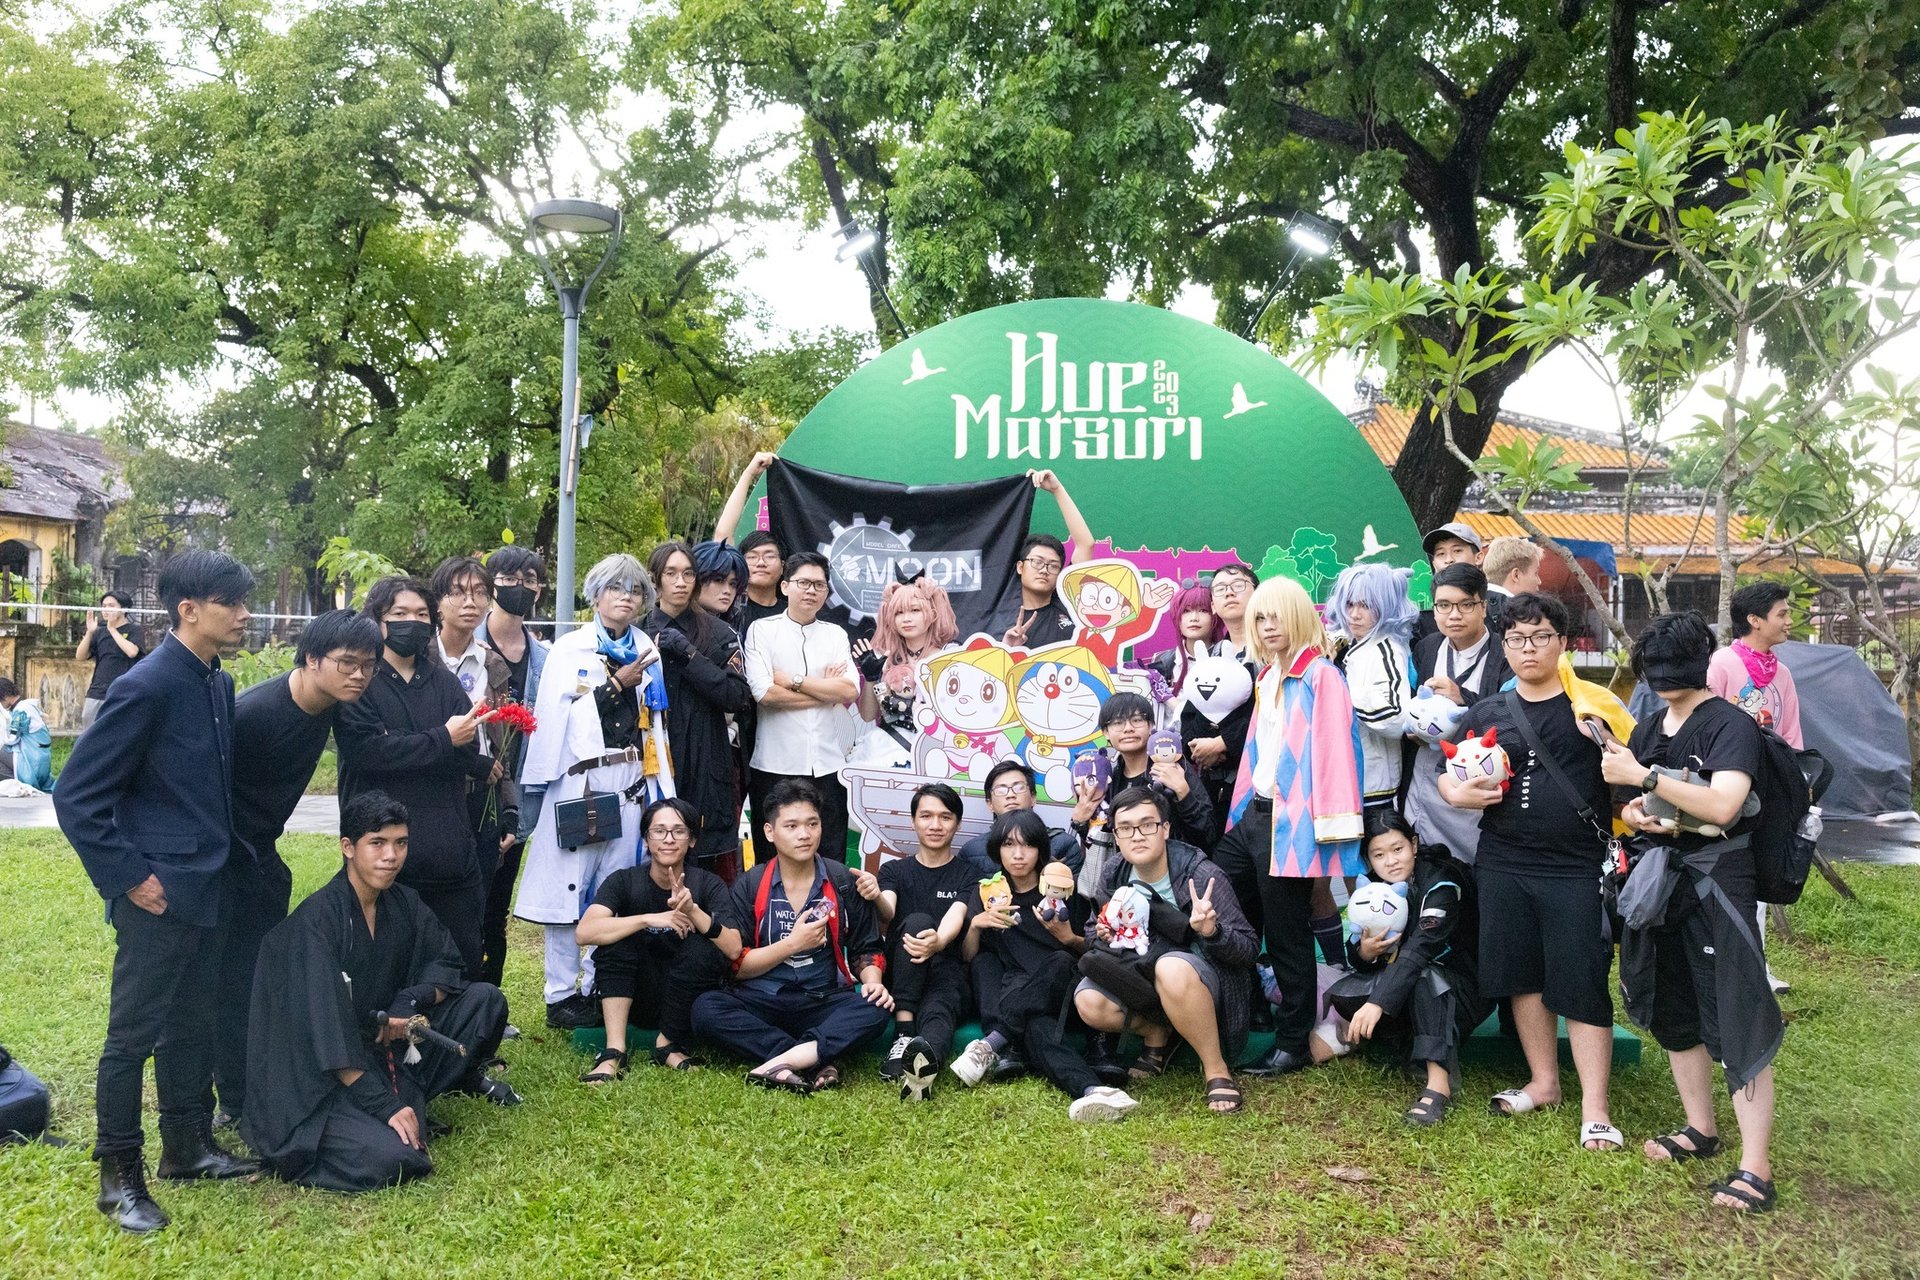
(1378,908)
(1433,717)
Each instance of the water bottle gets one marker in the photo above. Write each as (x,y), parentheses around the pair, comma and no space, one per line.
(1811,826)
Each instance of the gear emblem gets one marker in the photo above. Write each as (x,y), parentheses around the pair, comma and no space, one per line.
(860,562)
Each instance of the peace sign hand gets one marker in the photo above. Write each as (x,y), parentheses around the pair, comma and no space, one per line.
(1203,918)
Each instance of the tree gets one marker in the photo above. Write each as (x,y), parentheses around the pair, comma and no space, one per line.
(1030,148)
(320,216)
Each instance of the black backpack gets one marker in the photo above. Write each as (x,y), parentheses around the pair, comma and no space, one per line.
(1790,783)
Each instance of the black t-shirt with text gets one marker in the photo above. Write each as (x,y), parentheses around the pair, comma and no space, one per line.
(1717,735)
(1049,624)
(110,662)
(931,891)
(1537,829)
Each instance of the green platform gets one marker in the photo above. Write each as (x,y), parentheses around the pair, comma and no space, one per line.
(1486,1047)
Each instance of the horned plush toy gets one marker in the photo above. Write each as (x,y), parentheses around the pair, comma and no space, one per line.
(1478,758)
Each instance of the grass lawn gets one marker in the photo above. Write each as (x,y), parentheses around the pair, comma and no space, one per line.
(698,1175)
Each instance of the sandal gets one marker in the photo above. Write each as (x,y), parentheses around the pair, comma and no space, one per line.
(825,1077)
(1601,1131)
(1704,1145)
(688,1061)
(1755,1193)
(594,1075)
(1514,1102)
(782,1079)
(1223,1089)
(1153,1060)
(1429,1109)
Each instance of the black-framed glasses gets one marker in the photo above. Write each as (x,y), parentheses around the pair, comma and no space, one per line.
(352,666)
(1138,830)
(1043,566)
(1452,607)
(808,584)
(1537,640)
(668,833)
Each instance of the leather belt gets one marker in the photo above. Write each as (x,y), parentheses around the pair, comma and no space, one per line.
(630,755)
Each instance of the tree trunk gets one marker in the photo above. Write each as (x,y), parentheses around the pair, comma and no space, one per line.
(1431,479)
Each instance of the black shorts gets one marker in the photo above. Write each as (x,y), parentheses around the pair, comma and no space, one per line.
(1545,936)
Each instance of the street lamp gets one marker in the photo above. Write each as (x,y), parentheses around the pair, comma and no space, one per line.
(858,242)
(576,219)
(1313,236)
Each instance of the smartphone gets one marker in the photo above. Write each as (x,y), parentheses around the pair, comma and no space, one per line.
(1599,732)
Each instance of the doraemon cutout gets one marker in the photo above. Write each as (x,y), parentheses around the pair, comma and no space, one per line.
(1057,696)
(1433,717)
(1478,758)
(966,711)
(1378,909)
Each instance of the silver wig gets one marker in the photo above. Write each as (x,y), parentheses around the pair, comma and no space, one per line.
(622,572)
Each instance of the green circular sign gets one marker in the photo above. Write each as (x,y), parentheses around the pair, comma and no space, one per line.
(1180,443)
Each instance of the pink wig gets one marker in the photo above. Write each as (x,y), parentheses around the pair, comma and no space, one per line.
(943,630)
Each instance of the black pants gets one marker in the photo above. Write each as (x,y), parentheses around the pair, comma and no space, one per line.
(757,1024)
(833,810)
(460,906)
(1245,854)
(253,898)
(1281,909)
(663,975)
(934,992)
(1441,1011)
(360,1153)
(1031,1010)
(161,1007)
(493,925)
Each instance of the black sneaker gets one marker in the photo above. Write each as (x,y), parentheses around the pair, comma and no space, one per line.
(918,1069)
(573,1012)
(1104,1060)
(1009,1067)
(896,1063)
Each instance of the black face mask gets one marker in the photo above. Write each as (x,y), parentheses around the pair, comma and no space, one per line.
(517,601)
(1671,677)
(409,639)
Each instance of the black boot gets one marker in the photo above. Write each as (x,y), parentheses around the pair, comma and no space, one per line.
(188,1151)
(1278,1062)
(123,1193)
(1103,1058)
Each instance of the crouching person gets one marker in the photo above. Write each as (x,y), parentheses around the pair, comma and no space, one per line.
(662,933)
(1194,980)
(809,982)
(336,1094)
(1421,985)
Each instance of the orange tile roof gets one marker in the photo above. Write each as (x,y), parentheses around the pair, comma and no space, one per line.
(1709,567)
(1385,427)
(1654,531)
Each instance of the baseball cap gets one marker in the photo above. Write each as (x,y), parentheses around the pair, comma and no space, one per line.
(1453,529)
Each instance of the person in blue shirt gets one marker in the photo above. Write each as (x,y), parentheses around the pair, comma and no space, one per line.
(146,801)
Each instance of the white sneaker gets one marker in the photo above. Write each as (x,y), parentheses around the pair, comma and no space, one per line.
(1103,1104)
(1780,985)
(974,1062)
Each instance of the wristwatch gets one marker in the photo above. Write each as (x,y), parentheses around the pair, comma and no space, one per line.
(795,683)
(1652,780)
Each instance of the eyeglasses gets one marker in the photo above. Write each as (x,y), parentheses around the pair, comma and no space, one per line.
(1131,722)
(1538,640)
(1138,830)
(668,833)
(677,575)
(807,584)
(475,592)
(1011,790)
(1234,586)
(1453,608)
(351,666)
(515,580)
(1044,567)
(631,592)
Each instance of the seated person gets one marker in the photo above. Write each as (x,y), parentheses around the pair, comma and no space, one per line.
(1024,969)
(1202,985)
(335,1099)
(1127,720)
(808,983)
(922,903)
(1423,985)
(1009,788)
(662,933)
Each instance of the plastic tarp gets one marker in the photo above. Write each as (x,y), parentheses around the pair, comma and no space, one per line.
(1848,716)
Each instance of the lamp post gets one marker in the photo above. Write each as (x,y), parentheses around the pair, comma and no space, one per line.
(859,243)
(578,219)
(1311,235)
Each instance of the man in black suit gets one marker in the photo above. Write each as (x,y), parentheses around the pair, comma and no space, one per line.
(146,801)
(1464,662)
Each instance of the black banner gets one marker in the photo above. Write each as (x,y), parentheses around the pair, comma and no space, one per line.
(965,537)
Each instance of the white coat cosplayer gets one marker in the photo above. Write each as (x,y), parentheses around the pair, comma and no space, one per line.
(558,884)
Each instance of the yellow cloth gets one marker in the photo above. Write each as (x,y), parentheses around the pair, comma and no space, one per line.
(1590,699)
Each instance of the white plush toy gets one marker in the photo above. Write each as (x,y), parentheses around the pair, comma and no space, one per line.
(1478,758)
(1433,717)
(1378,908)
(1126,915)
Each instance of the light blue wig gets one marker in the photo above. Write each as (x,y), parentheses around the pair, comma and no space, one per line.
(1380,587)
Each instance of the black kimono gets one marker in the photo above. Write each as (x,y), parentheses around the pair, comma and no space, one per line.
(1023,980)
(703,687)
(1700,976)
(394,739)
(321,979)
(1427,986)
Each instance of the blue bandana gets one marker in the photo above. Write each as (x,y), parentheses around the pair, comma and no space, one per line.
(623,650)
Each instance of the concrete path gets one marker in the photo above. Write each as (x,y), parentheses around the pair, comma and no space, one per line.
(315,815)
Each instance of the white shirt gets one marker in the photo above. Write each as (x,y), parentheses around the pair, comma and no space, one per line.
(470,669)
(1465,667)
(809,742)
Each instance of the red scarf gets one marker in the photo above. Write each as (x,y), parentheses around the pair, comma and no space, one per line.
(1761,667)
